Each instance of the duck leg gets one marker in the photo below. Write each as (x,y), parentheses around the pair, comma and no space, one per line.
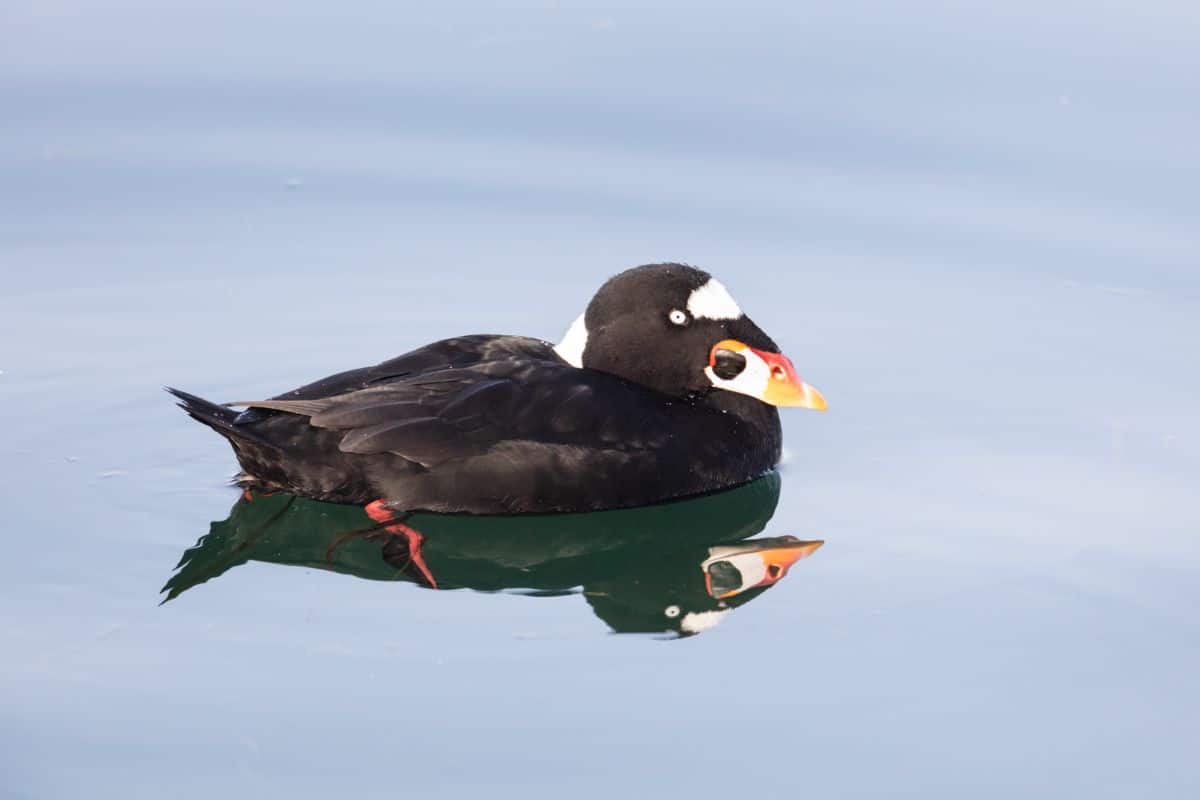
(248,494)
(379,512)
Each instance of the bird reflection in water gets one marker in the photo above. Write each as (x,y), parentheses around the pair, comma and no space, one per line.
(678,567)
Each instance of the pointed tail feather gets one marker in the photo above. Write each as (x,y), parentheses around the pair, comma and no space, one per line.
(218,417)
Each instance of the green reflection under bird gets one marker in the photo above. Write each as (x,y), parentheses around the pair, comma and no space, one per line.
(676,567)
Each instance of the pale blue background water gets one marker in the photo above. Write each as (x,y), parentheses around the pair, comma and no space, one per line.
(974,228)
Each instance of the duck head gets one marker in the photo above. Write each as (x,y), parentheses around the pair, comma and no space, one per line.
(671,595)
(677,330)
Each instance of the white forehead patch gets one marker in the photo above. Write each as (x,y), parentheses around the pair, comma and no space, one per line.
(570,349)
(713,301)
(700,621)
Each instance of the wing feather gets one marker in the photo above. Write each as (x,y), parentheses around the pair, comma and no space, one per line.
(305,408)
(350,414)
(465,399)
(426,440)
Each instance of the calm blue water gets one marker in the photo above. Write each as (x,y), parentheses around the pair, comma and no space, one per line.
(973,229)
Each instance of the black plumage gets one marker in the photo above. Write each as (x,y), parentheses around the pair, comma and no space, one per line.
(504,424)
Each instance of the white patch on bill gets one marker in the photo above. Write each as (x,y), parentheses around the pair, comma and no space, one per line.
(572,346)
(713,301)
(697,621)
(751,381)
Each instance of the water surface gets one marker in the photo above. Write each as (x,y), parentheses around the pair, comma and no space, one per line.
(973,230)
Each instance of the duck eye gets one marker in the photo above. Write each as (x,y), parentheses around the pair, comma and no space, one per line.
(672,611)
(678,317)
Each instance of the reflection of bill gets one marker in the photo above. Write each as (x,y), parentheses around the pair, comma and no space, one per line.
(732,569)
(676,567)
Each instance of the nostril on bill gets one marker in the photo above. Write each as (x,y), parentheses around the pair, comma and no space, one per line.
(727,364)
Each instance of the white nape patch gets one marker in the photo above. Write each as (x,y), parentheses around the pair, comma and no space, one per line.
(572,346)
(713,301)
(697,621)
(751,381)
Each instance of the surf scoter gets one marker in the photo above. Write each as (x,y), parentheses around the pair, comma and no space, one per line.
(662,388)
